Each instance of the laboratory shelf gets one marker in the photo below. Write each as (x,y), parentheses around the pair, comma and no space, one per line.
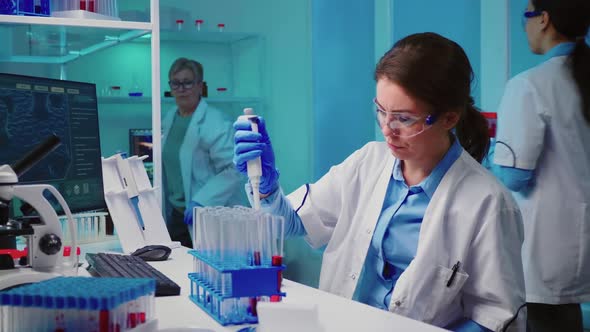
(213,37)
(31,39)
(73,22)
(148,100)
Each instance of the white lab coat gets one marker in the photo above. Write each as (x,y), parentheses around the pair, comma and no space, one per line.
(470,219)
(540,118)
(208,173)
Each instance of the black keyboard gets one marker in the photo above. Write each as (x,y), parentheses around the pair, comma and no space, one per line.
(127,266)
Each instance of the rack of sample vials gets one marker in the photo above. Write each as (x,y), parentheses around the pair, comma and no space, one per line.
(80,304)
(90,227)
(237,262)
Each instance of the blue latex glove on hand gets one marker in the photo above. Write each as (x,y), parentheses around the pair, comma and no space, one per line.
(188,213)
(250,145)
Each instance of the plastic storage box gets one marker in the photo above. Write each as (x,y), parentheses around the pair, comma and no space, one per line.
(25,7)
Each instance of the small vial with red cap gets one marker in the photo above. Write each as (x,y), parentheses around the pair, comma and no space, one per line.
(199,24)
(179,24)
(220,27)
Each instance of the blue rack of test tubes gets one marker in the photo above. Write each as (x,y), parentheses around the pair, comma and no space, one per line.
(237,262)
(78,304)
(26,7)
(232,301)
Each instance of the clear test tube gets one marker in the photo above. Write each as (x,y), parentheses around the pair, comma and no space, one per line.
(199,24)
(197,237)
(277,241)
(206,244)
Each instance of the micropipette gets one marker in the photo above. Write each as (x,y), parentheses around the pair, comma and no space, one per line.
(129,184)
(254,166)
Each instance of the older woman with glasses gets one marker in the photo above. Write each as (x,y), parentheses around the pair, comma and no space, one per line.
(197,151)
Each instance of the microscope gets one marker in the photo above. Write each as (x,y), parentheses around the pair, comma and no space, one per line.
(43,257)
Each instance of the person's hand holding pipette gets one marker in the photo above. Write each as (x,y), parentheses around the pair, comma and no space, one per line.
(248,146)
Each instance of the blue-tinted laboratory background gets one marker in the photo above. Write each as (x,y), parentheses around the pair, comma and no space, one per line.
(306,66)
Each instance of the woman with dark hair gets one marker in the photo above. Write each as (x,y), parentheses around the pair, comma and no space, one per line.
(414,225)
(543,153)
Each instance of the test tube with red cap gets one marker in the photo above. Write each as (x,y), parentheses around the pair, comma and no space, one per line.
(198,24)
(220,27)
(179,24)
(492,118)
(277,227)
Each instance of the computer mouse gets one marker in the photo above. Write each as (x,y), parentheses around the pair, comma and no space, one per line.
(153,253)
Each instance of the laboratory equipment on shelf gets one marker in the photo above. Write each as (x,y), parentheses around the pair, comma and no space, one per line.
(221,91)
(26,7)
(179,24)
(233,262)
(43,234)
(255,165)
(199,24)
(221,27)
(80,304)
(86,9)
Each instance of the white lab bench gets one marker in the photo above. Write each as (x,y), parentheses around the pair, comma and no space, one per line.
(336,314)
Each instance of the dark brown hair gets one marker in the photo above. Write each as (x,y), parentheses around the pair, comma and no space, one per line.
(571,18)
(437,71)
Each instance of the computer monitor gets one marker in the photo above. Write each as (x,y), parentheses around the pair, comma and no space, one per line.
(31,109)
(140,144)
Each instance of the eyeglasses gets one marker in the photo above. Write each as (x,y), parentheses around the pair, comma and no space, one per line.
(403,124)
(175,85)
(530,14)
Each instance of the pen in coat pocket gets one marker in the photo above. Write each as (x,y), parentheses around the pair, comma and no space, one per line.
(454,273)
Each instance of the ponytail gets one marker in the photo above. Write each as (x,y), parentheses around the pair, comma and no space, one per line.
(580,66)
(472,132)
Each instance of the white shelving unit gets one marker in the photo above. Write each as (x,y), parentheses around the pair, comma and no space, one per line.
(50,40)
(238,66)
(170,101)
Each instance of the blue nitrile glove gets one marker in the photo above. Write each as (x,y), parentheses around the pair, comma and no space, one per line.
(248,146)
(188,213)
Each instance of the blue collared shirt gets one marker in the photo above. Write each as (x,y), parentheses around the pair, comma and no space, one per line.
(395,239)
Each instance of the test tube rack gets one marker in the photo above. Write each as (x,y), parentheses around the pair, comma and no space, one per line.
(80,304)
(229,301)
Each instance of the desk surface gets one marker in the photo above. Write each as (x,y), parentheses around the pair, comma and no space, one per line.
(336,314)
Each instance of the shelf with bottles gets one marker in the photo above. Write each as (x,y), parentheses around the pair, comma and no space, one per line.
(169,101)
(214,37)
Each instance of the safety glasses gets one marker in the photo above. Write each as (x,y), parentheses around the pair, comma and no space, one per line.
(403,124)
(175,85)
(530,14)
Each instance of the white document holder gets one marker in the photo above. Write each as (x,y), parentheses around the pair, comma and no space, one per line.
(130,234)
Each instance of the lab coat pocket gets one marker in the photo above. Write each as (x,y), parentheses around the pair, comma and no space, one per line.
(440,288)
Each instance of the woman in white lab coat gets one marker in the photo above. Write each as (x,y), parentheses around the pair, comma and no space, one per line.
(413,225)
(197,150)
(543,149)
